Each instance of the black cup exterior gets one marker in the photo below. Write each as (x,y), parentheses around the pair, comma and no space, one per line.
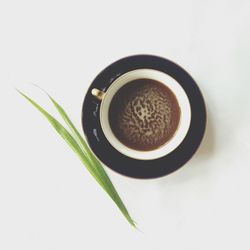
(143,169)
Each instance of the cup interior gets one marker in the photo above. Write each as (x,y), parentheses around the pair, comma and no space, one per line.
(185,116)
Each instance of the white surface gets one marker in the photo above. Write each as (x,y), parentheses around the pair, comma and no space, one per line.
(48,200)
(183,102)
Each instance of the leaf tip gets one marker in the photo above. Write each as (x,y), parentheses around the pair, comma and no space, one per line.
(20,92)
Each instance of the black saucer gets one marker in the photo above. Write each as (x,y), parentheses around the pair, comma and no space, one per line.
(143,168)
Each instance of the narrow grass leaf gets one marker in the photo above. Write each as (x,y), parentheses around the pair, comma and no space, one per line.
(81,148)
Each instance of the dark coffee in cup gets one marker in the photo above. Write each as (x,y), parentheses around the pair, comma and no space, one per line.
(144,114)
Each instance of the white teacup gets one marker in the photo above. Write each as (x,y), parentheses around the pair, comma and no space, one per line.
(173,85)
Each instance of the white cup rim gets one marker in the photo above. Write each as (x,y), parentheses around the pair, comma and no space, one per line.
(183,101)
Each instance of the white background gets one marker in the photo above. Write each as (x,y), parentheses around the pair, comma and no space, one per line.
(47,198)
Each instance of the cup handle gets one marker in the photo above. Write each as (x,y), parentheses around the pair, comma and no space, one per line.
(98,94)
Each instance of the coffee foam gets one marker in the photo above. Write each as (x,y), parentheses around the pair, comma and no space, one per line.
(148,116)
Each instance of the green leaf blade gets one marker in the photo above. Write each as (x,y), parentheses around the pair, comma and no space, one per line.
(80,147)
